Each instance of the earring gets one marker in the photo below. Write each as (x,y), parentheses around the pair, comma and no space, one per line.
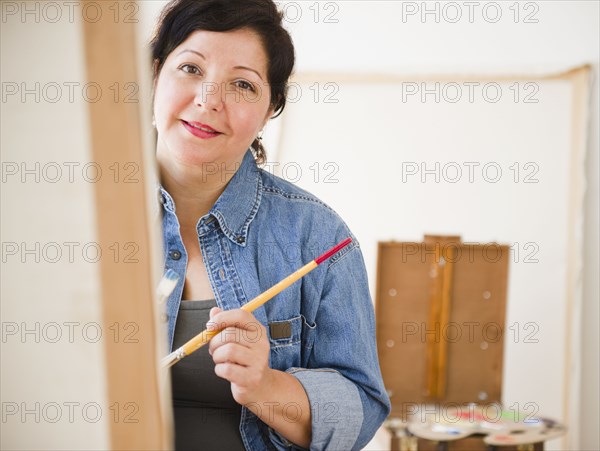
(259,151)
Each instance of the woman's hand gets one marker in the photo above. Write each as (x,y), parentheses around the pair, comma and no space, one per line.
(241,353)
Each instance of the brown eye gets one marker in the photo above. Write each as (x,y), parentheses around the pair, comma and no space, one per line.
(190,69)
(245,85)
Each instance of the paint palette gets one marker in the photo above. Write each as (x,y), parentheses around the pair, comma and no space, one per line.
(549,429)
(500,427)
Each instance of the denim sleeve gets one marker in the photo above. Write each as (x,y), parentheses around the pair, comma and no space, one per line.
(343,379)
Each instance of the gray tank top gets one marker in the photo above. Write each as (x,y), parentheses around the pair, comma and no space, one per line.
(205,413)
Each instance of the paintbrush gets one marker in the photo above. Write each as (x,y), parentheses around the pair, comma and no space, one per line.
(204,337)
(166,285)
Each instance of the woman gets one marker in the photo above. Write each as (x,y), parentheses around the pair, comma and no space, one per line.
(302,370)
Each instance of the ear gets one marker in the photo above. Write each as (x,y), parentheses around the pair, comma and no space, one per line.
(270,112)
(154,74)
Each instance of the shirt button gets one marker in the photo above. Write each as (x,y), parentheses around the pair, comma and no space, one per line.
(164,317)
(240,239)
(175,255)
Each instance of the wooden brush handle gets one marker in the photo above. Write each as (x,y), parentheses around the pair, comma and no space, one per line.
(199,340)
(279,287)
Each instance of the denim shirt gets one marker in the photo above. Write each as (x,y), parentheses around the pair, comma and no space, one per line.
(261,229)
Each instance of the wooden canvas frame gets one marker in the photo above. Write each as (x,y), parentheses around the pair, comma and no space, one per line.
(134,380)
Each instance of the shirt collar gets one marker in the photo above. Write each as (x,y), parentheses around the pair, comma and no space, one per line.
(236,207)
(165,198)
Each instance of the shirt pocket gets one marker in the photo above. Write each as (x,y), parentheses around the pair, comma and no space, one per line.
(284,338)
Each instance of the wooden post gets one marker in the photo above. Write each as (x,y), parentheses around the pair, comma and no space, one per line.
(135,392)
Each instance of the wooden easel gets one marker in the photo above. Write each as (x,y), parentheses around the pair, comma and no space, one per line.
(440,308)
(440,313)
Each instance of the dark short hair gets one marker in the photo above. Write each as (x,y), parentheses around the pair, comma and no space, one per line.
(180,18)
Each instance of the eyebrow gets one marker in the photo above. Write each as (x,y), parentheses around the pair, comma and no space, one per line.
(235,67)
(248,68)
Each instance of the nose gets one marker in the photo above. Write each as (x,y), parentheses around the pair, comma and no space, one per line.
(209,96)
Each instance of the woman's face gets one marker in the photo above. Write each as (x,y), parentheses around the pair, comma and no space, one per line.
(211,100)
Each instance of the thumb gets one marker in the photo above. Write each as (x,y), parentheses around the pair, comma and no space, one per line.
(214,311)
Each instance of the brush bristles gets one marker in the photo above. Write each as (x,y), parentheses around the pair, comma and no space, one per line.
(173,358)
(166,285)
(169,361)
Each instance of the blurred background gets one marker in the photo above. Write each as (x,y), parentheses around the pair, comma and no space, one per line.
(477,119)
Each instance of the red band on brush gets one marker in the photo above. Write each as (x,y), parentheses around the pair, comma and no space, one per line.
(333,250)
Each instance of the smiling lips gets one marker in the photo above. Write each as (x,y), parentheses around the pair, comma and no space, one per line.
(200,130)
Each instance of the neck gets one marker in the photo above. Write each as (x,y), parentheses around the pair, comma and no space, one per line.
(195,195)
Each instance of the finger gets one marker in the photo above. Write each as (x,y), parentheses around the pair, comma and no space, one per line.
(214,311)
(234,353)
(236,318)
(248,338)
(231,372)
